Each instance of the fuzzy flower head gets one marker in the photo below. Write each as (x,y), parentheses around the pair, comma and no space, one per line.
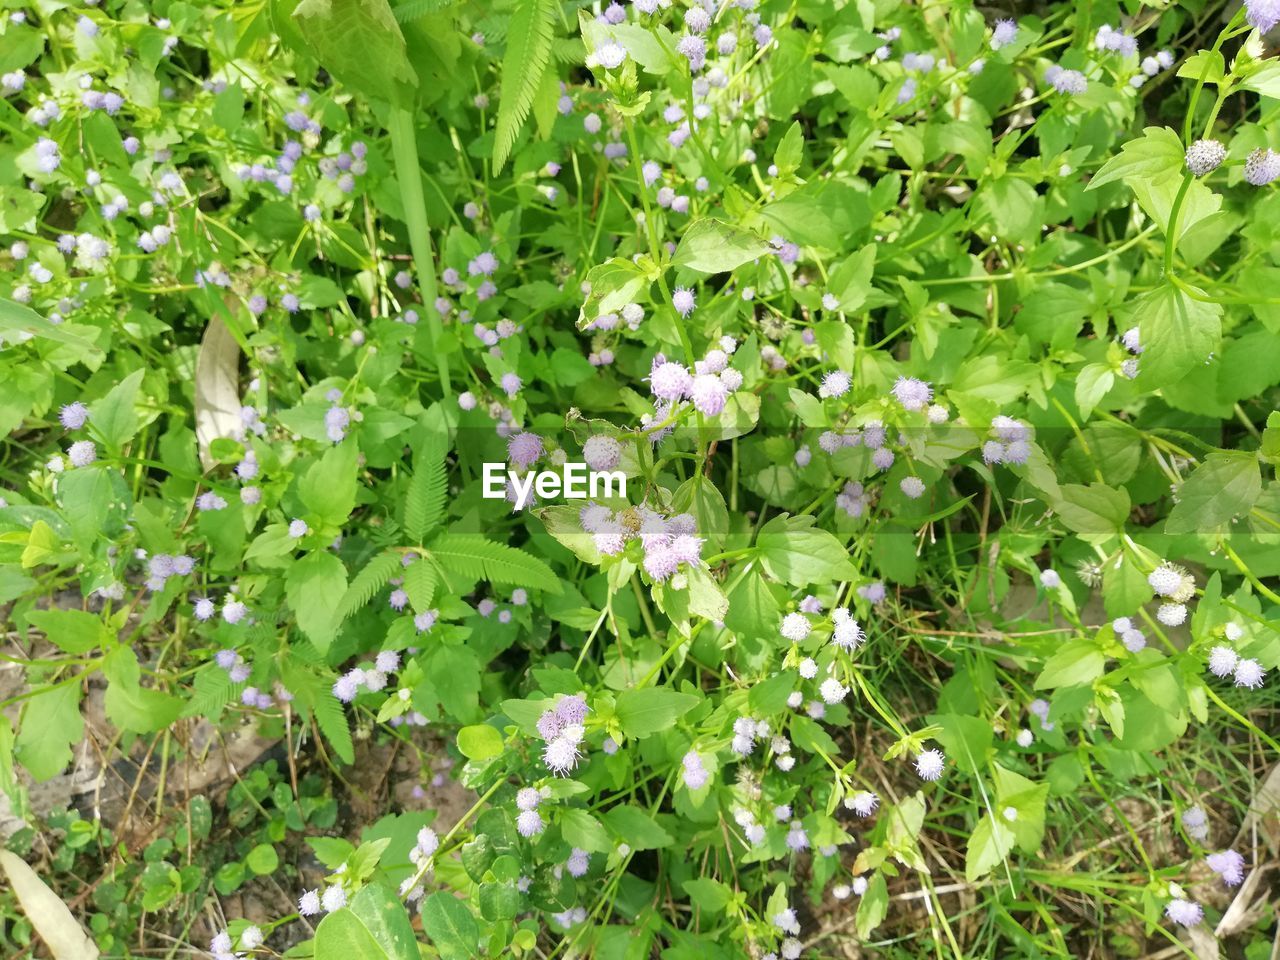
(670,381)
(1229,865)
(1185,913)
(795,627)
(1249,673)
(835,384)
(1003,34)
(709,394)
(1222,661)
(913,394)
(1205,156)
(930,764)
(1262,14)
(1263,164)
(524,449)
(73,416)
(684,301)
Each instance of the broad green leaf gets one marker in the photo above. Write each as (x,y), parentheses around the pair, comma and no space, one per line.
(374,926)
(329,486)
(315,586)
(1178,334)
(360,43)
(131,706)
(480,742)
(651,710)
(450,926)
(1157,154)
(989,845)
(1225,486)
(636,828)
(1092,509)
(1078,662)
(796,552)
(50,723)
(713,246)
(114,417)
(73,631)
(613,284)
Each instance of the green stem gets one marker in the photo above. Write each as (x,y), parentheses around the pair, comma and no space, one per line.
(404,148)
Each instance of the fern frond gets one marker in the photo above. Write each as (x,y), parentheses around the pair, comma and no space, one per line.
(420,579)
(332,722)
(211,691)
(529,39)
(474,556)
(311,692)
(424,501)
(367,582)
(415,9)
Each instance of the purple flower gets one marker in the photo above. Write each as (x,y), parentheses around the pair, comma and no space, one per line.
(210,501)
(82,453)
(203,608)
(1066,81)
(1004,33)
(1262,14)
(1205,156)
(74,415)
(1263,164)
(708,394)
(510,384)
(524,449)
(913,394)
(298,529)
(670,381)
(694,49)
(1186,913)
(835,384)
(1229,865)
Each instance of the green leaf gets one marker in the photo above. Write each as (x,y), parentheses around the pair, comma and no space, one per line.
(480,742)
(989,844)
(359,43)
(328,488)
(420,582)
(651,710)
(581,829)
(637,828)
(1095,509)
(707,894)
(1156,155)
(72,631)
(528,56)
(873,907)
(50,723)
(450,926)
(372,577)
(613,285)
(315,586)
(474,556)
(114,417)
(850,280)
(131,706)
(425,498)
(712,246)
(1078,662)
(263,859)
(790,150)
(374,926)
(796,552)
(1225,486)
(1178,333)
(18,319)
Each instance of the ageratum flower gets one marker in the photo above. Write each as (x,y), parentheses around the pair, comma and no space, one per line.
(1004,33)
(1205,156)
(1263,164)
(913,394)
(1222,661)
(1227,864)
(1262,14)
(1186,913)
(930,764)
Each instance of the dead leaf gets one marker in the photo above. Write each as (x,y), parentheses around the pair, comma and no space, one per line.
(51,918)
(217,388)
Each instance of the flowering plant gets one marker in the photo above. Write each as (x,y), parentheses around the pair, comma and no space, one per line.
(928,363)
